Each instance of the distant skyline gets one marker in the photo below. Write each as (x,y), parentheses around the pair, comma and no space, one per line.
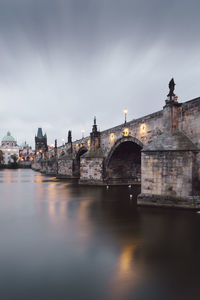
(64,62)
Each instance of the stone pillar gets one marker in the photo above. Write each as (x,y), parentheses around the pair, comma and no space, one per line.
(65,167)
(56,149)
(52,165)
(95,137)
(69,142)
(91,169)
(65,163)
(91,163)
(171,115)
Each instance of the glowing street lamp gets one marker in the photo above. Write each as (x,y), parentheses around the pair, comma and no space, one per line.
(63,141)
(125,114)
(83,131)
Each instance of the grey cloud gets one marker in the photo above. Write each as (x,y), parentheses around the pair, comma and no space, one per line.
(62,62)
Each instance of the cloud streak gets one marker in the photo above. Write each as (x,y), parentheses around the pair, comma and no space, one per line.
(62,62)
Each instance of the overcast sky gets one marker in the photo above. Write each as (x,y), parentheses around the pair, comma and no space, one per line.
(64,62)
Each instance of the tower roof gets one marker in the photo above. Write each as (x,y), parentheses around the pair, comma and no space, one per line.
(8,138)
(24,144)
(39,133)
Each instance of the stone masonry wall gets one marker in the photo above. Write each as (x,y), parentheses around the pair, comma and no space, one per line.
(91,170)
(51,167)
(190,120)
(36,165)
(65,167)
(167,173)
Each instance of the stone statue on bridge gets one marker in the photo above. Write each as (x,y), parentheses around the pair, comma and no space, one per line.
(171,88)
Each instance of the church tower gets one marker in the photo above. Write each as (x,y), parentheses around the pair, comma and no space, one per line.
(41,141)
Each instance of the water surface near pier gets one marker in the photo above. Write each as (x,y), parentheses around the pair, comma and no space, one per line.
(61,241)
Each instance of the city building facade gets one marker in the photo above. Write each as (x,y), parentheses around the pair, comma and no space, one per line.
(9,149)
(26,153)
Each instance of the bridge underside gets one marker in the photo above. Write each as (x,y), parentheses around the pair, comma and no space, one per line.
(124,166)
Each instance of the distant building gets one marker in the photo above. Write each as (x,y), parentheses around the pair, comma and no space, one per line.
(40,142)
(9,148)
(26,153)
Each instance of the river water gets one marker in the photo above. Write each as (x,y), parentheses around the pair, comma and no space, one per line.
(62,241)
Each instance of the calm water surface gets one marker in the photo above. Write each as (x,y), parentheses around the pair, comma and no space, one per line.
(62,241)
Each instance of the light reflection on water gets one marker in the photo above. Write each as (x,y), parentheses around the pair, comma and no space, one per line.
(64,241)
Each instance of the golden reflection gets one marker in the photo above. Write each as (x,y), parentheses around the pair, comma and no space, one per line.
(126,259)
(85,228)
(57,206)
(125,274)
(52,208)
(83,209)
(52,198)
(38,177)
(77,147)
(39,190)
(88,144)
(8,176)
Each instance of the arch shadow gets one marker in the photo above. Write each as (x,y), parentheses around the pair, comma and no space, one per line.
(123,163)
(76,162)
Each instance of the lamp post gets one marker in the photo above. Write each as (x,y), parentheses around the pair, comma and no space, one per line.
(63,141)
(83,131)
(125,114)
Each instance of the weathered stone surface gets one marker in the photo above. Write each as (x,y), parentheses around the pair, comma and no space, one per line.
(167,173)
(168,169)
(65,167)
(51,167)
(36,165)
(167,141)
(91,170)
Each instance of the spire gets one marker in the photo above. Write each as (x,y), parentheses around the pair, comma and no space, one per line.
(39,133)
(69,136)
(94,128)
(55,149)
(95,136)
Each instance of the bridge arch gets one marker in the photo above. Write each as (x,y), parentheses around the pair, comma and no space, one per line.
(123,163)
(76,162)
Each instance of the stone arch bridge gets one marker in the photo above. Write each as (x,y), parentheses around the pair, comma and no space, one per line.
(160,151)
